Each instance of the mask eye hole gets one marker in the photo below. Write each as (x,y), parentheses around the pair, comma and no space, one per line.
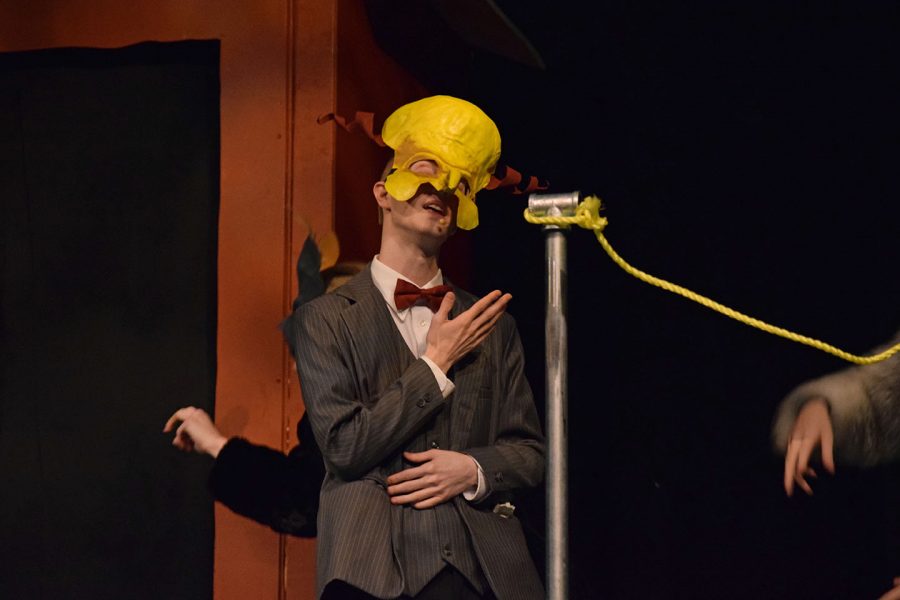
(425,167)
(464,186)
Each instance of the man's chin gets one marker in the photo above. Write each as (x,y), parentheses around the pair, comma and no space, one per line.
(435,235)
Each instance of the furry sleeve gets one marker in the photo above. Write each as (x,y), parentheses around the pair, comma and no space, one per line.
(865,411)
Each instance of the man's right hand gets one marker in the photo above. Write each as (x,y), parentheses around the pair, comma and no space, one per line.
(811,429)
(449,339)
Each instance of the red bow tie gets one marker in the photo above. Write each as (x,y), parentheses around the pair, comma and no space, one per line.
(406,294)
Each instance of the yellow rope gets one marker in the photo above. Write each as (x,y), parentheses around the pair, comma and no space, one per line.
(587,216)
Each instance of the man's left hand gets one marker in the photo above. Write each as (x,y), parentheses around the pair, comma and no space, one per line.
(441,475)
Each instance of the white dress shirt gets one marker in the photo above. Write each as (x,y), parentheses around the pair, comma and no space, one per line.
(413,324)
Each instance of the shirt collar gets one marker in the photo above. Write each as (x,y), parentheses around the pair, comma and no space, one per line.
(385,279)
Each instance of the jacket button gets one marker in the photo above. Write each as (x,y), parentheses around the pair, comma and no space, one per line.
(435,445)
(498,476)
(420,403)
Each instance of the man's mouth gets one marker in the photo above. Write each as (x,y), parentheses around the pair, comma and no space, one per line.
(436,207)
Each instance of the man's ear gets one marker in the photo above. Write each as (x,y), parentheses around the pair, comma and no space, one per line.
(381,195)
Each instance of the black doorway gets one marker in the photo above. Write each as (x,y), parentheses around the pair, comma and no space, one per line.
(109,180)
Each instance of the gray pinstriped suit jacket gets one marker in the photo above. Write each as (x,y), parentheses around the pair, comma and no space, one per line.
(367,396)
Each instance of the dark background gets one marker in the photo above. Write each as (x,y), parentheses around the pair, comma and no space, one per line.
(747,151)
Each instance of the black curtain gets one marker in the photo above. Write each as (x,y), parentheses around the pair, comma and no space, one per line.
(109,171)
(746,151)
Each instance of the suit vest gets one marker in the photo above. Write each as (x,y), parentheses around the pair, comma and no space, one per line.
(427,540)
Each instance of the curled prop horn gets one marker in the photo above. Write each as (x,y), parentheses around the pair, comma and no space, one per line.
(360,120)
(505,176)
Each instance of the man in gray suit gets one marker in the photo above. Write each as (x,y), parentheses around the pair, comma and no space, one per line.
(416,393)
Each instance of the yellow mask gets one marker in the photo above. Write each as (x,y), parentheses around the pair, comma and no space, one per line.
(453,133)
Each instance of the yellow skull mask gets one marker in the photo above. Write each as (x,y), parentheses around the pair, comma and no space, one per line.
(455,134)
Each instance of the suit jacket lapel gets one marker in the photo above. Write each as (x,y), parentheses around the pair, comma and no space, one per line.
(465,376)
(374,337)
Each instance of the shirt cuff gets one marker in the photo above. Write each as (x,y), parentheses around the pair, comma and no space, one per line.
(446,386)
(477,493)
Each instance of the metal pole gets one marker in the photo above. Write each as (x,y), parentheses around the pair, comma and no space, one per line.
(556,332)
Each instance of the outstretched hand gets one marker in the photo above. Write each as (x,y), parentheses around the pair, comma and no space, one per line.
(196,432)
(441,475)
(811,430)
(449,340)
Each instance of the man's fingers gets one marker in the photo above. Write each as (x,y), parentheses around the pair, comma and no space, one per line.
(183,442)
(424,498)
(806,449)
(798,478)
(417,496)
(486,327)
(482,330)
(790,465)
(493,311)
(181,434)
(405,475)
(430,502)
(449,340)
(807,446)
(447,302)
(828,450)
(485,307)
(419,457)
(484,302)
(407,487)
(412,472)
(179,415)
